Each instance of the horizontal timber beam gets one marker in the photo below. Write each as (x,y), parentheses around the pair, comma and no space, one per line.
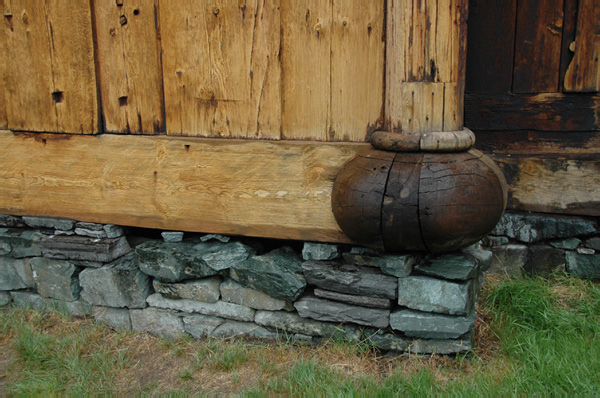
(237,187)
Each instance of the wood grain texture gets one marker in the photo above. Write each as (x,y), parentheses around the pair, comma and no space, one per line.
(553,184)
(531,142)
(237,187)
(128,49)
(491,43)
(221,68)
(538,46)
(50,73)
(425,46)
(543,112)
(583,73)
(6,20)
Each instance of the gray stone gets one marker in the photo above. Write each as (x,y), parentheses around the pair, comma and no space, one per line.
(320,251)
(11,221)
(157,322)
(55,278)
(431,326)
(206,289)
(585,250)
(483,257)
(276,273)
(459,266)
(201,325)
(535,228)
(113,231)
(238,329)
(20,243)
(350,279)
(63,233)
(543,260)
(508,260)
(363,301)
(302,338)
(435,295)
(118,284)
(293,323)
(233,292)
(15,273)
(392,342)
(389,341)
(569,244)
(491,241)
(92,226)
(220,238)
(583,265)
(397,265)
(47,222)
(325,310)
(91,233)
(77,308)
(173,262)
(172,236)
(87,264)
(31,300)
(83,248)
(116,318)
(593,243)
(5,298)
(220,308)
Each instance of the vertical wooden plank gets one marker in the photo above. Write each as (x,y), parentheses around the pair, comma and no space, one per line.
(583,73)
(221,67)
(423,107)
(6,21)
(130,69)
(491,43)
(537,46)
(357,67)
(50,77)
(306,68)
(568,37)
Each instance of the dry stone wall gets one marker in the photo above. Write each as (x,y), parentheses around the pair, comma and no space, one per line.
(218,286)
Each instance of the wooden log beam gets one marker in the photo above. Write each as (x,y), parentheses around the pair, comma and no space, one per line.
(266,189)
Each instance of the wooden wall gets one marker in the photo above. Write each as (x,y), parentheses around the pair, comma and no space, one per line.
(269,69)
(532,98)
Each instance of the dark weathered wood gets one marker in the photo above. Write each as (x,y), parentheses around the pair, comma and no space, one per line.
(543,112)
(537,46)
(357,197)
(400,213)
(396,142)
(461,198)
(583,73)
(569,26)
(553,183)
(538,142)
(491,38)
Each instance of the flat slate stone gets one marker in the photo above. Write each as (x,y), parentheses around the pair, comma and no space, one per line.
(593,243)
(92,226)
(101,234)
(11,221)
(5,298)
(276,273)
(435,295)
(172,236)
(201,325)
(569,244)
(490,241)
(20,243)
(459,266)
(390,264)
(508,260)
(484,257)
(583,265)
(116,318)
(230,329)
(220,308)
(320,251)
(430,326)
(294,323)
(113,231)
(542,260)
(30,300)
(48,222)
(349,279)
(233,292)
(393,342)
(363,301)
(83,248)
(331,311)
(15,273)
(157,322)
(220,238)
(174,262)
(535,228)
(206,289)
(55,278)
(118,284)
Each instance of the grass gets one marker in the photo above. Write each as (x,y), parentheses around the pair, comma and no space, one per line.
(534,336)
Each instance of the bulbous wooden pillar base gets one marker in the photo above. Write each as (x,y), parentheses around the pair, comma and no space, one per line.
(407,201)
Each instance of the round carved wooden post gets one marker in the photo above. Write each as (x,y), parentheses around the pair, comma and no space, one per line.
(427,190)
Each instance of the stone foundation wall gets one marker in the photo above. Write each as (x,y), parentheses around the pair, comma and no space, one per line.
(217,286)
(535,244)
